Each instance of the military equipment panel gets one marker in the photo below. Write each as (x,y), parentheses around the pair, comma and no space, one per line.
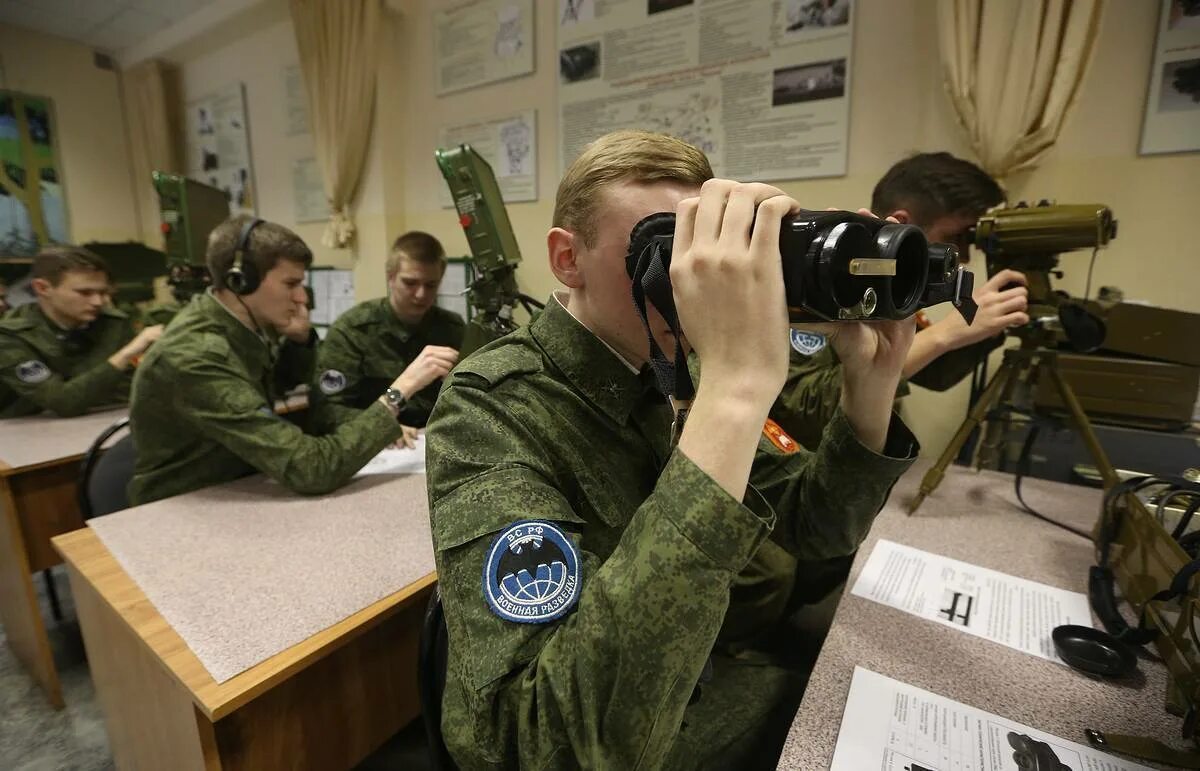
(480,208)
(189,210)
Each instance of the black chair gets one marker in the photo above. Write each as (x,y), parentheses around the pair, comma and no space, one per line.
(103,475)
(431,680)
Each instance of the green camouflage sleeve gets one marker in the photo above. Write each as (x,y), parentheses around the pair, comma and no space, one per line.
(826,500)
(606,685)
(948,369)
(99,385)
(218,400)
(340,352)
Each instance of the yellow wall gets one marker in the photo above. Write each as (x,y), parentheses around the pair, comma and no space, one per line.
(897,107)
(91,129)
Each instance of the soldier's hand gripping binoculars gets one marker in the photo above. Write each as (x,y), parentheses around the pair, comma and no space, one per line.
(838,266)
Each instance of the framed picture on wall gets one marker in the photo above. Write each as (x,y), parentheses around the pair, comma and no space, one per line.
(1172,120)
(33,208)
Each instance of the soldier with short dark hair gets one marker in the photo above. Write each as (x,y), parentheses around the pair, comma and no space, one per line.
(202,408)
(944,196)
(70,351)
(403,337)
(597,579)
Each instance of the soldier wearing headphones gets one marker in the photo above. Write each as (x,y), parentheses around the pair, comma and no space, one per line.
(201,410)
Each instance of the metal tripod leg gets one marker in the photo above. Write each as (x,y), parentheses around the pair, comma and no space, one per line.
(1083,425)
(1000,383)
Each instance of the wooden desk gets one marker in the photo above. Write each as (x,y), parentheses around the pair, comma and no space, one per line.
(974,518)
(324,703)
(39,475)
(39,472)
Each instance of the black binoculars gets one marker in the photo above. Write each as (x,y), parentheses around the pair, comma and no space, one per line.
(839,266)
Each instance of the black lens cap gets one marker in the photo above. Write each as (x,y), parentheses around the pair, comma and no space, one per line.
(1093,651)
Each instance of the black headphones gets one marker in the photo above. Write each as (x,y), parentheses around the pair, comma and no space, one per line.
(242,277)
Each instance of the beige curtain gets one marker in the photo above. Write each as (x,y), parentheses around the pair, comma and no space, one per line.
(1012,69)
(339,55)
(151,121)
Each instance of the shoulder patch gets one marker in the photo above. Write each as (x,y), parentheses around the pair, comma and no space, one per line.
(332,382)
(496,365)
(531,573)
(807,343)
(33,372)
(778,437)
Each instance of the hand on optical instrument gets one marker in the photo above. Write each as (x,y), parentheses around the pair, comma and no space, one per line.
(728,285)
(999,309)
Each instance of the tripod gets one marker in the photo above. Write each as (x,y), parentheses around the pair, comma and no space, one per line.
(1023,364)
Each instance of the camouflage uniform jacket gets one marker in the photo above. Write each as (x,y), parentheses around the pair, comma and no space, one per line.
(202,414)
(548,424)
(44,367)
(814,385)
(368,347)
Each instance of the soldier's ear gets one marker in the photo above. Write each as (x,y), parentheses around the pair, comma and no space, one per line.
(564,257)
(40,286)
(902,216)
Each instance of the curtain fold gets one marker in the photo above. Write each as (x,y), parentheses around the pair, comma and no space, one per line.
(1012,70)
(339,55)
(151,123)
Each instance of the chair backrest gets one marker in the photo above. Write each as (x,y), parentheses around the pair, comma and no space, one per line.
(431,680)
(105,473)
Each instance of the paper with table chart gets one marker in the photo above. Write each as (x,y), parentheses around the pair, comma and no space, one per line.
(1013,611)
(389,461)
(893,726)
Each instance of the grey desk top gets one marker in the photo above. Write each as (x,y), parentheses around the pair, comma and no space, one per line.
(41,439)
(245,570)
(975,518)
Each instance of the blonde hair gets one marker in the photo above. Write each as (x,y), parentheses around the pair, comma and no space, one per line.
(622,156)
(418,247)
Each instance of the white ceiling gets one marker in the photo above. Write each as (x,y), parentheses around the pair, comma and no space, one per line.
(109,25)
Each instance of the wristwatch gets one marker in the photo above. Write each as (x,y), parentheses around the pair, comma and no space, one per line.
(394,398)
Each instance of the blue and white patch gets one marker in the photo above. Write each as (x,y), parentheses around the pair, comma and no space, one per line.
(531,574)
(331,382)
(807,343)
(33,372)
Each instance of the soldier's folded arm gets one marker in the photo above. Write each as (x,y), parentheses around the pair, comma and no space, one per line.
(221,403)
(827,499)
(66,398)
(606,685)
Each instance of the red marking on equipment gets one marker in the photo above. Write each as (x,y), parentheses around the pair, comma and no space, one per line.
(464,220)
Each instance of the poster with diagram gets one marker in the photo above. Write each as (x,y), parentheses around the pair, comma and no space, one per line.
(218,146)
(33,209)
(482,41)
(1172,120)
(509,145)
(761,86)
